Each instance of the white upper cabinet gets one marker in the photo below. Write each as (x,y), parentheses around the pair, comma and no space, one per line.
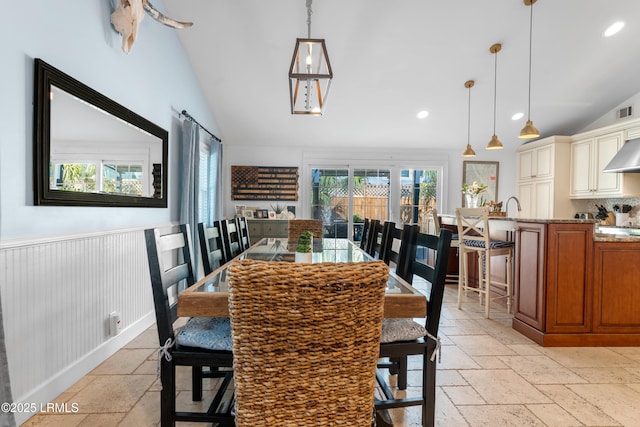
(589,156)
(543,178)
(536,163)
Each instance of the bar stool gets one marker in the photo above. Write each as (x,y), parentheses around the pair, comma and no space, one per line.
(474,238)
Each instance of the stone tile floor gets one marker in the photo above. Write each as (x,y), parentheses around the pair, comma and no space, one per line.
(489,375)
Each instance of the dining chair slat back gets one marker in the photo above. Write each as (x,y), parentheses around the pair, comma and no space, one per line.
(171,272)
(230,238)
(364,237)
(397,247)
(211,246)
(319,323)
(243,232)
(428,344)
(375,233)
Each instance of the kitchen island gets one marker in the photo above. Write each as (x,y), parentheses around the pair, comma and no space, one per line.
(573,285)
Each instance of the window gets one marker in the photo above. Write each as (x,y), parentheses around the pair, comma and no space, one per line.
(418,194)
(204,204)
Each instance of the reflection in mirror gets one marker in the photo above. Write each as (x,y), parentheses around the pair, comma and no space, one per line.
(92,151)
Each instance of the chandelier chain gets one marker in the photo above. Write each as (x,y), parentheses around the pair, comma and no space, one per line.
(309,13)
(495,90)
(530,44)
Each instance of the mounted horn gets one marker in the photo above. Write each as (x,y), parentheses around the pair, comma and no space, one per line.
(155,14)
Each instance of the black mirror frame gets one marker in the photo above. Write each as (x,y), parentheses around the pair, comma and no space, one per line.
(44,77)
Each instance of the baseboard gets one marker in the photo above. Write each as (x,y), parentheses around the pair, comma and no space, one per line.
(64,379)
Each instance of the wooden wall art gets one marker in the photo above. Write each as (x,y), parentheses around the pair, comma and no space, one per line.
(264,183)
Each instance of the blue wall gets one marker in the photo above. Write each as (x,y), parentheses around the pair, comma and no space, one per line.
(155,80)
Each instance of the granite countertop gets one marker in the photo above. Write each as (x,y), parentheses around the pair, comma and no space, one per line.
(607,237)
(538,220)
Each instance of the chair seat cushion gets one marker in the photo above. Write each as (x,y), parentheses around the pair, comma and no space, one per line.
(401,330)
(493,244)
(211,333)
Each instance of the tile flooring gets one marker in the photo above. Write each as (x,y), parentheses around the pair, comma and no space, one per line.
(489,375)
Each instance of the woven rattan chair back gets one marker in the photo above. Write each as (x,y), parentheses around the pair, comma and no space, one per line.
(320,325)
(298,226)
(211,246)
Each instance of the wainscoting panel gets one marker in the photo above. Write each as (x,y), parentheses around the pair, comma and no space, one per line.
(57,295)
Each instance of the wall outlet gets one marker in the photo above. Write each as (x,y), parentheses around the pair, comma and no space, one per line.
(115,324)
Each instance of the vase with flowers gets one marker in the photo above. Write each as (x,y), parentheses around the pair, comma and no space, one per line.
(472,194)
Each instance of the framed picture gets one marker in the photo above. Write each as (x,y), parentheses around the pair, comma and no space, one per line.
(272,215)
(265,213)
(482,173)
(248,213)
(259,214)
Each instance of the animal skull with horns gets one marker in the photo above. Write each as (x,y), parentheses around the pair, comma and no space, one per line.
(127,17)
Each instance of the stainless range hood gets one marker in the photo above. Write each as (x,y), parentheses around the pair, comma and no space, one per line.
(627,159)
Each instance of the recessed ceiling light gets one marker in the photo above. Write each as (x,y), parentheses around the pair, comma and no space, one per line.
(422,114)
(613,29)
(517,116)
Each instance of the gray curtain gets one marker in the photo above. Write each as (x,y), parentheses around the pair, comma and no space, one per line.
(189,176)
(215,182)
(6,418)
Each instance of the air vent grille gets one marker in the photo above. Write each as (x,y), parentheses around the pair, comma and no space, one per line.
(624,113)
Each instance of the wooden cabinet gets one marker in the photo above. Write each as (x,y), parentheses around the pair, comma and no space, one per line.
(543,178)
(588,157)
(552,281)
(260,228)
(616,295)
(529,277)
(572,291)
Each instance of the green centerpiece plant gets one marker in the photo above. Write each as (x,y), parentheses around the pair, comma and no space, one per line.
(304,247)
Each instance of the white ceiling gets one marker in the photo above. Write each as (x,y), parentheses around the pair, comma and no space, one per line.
(392,58)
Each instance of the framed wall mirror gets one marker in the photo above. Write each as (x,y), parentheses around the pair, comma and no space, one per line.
(91,151)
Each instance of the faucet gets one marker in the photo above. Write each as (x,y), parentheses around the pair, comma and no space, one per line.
(506,205)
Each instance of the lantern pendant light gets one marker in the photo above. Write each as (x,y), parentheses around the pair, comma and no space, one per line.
(495,143)
(529,131)
(468,152)
(310,74)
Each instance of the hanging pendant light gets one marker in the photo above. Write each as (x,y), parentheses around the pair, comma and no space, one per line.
(310,74)
(468,152)
(495,143)
(529,131)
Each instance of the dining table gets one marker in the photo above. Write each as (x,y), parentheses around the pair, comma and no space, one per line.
(209,296)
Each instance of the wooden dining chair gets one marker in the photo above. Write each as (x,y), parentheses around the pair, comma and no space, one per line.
(243,232)
(375,233)
(211,246)
(364,237)
(201,342)
(405,337)
(230,238)
(318,323)
(396,248)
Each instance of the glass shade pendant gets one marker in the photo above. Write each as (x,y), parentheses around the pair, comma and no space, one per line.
(310,74)
(495,143)
(529,131)
(468,152)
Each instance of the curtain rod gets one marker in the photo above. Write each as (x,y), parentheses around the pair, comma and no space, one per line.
(190,117)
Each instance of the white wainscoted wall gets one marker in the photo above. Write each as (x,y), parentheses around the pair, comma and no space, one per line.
(57,295)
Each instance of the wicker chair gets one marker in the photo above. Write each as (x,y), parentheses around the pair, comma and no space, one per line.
(318,323)
(298,226)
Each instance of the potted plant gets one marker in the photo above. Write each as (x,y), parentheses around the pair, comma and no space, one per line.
(304,247)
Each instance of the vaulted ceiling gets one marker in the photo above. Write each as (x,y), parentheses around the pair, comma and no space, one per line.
(393,58)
